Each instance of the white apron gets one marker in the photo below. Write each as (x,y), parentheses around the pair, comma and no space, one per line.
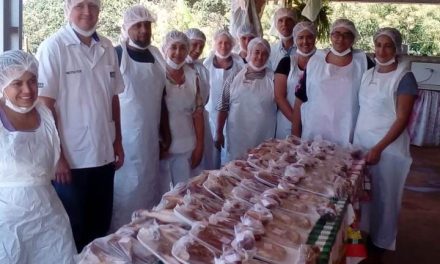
(217,78)
(284,125)
(377,100)
(332,91)
(252,113)
(136,182)
(209,151)
(34,227)
(181,102)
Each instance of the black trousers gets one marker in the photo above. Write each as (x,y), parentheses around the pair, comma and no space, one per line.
(88,200)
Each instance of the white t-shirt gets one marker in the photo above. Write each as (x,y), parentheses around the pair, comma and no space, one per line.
(83,81)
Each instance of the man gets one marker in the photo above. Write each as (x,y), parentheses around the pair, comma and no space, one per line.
(143,112)
(79,81)
(284,20)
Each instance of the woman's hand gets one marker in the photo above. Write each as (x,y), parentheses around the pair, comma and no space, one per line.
(373,156)
(219,141)
(62,173)
(196,156)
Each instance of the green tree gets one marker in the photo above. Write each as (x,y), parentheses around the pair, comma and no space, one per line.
(418,24)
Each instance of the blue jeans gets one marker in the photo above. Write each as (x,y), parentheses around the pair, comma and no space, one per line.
(88,200)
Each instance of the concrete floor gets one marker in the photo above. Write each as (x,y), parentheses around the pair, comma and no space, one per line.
(418,239)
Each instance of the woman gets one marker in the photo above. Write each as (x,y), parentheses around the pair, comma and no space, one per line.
(245,33)
(289,72)
(386,98)
(284,19)
(197,41)
(34,226)
(327,102)
(184,109)
(248,104)
(221,64)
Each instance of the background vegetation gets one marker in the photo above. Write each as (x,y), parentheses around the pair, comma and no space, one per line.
(419,24)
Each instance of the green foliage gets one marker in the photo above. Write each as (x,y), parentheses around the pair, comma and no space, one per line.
(419,24)
(40,19)
(322,21)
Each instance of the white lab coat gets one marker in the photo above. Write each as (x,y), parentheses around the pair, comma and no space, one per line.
(217,78)
(181,103)
(252,113)
(34,226)
(284,125)
(377,100)
(83,88)
(136,182)
(332,91)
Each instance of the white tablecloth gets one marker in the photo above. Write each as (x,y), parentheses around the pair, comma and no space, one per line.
(424,127)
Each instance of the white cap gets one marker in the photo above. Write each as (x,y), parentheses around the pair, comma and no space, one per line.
(223,32)
(302,26)
(69,4)
(13,63)
(280,13)
(393,34)
(246,30)
(195,33)
(253,43)
(347,24)
(172,37)
(134,15)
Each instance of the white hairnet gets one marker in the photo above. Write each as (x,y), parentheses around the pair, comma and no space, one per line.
(281,12)
(134,15)
(393,34)
(195,33)
(301,26)
(13,64)
(347,24)
(223,32)
(246,30)
(69,4)
(172,37)
(253,43)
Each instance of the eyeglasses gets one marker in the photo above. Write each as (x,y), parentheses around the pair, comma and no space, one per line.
(339,35)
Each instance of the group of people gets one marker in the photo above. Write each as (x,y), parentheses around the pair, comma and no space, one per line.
(113,127)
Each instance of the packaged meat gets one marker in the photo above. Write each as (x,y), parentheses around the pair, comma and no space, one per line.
(268,178)
(159,239)
(220,185)
(172,198)
(308,254)
(271,252)
(284,236)
(254,185)
(211,236)
(243,194)
(244,240)
(162,216)
(291,219)
(235,207)
(255,225)
(261,213)
(241,169)
(190,214)
(224,220)
(188,250)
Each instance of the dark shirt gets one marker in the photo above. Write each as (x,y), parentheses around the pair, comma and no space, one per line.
(139,56)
